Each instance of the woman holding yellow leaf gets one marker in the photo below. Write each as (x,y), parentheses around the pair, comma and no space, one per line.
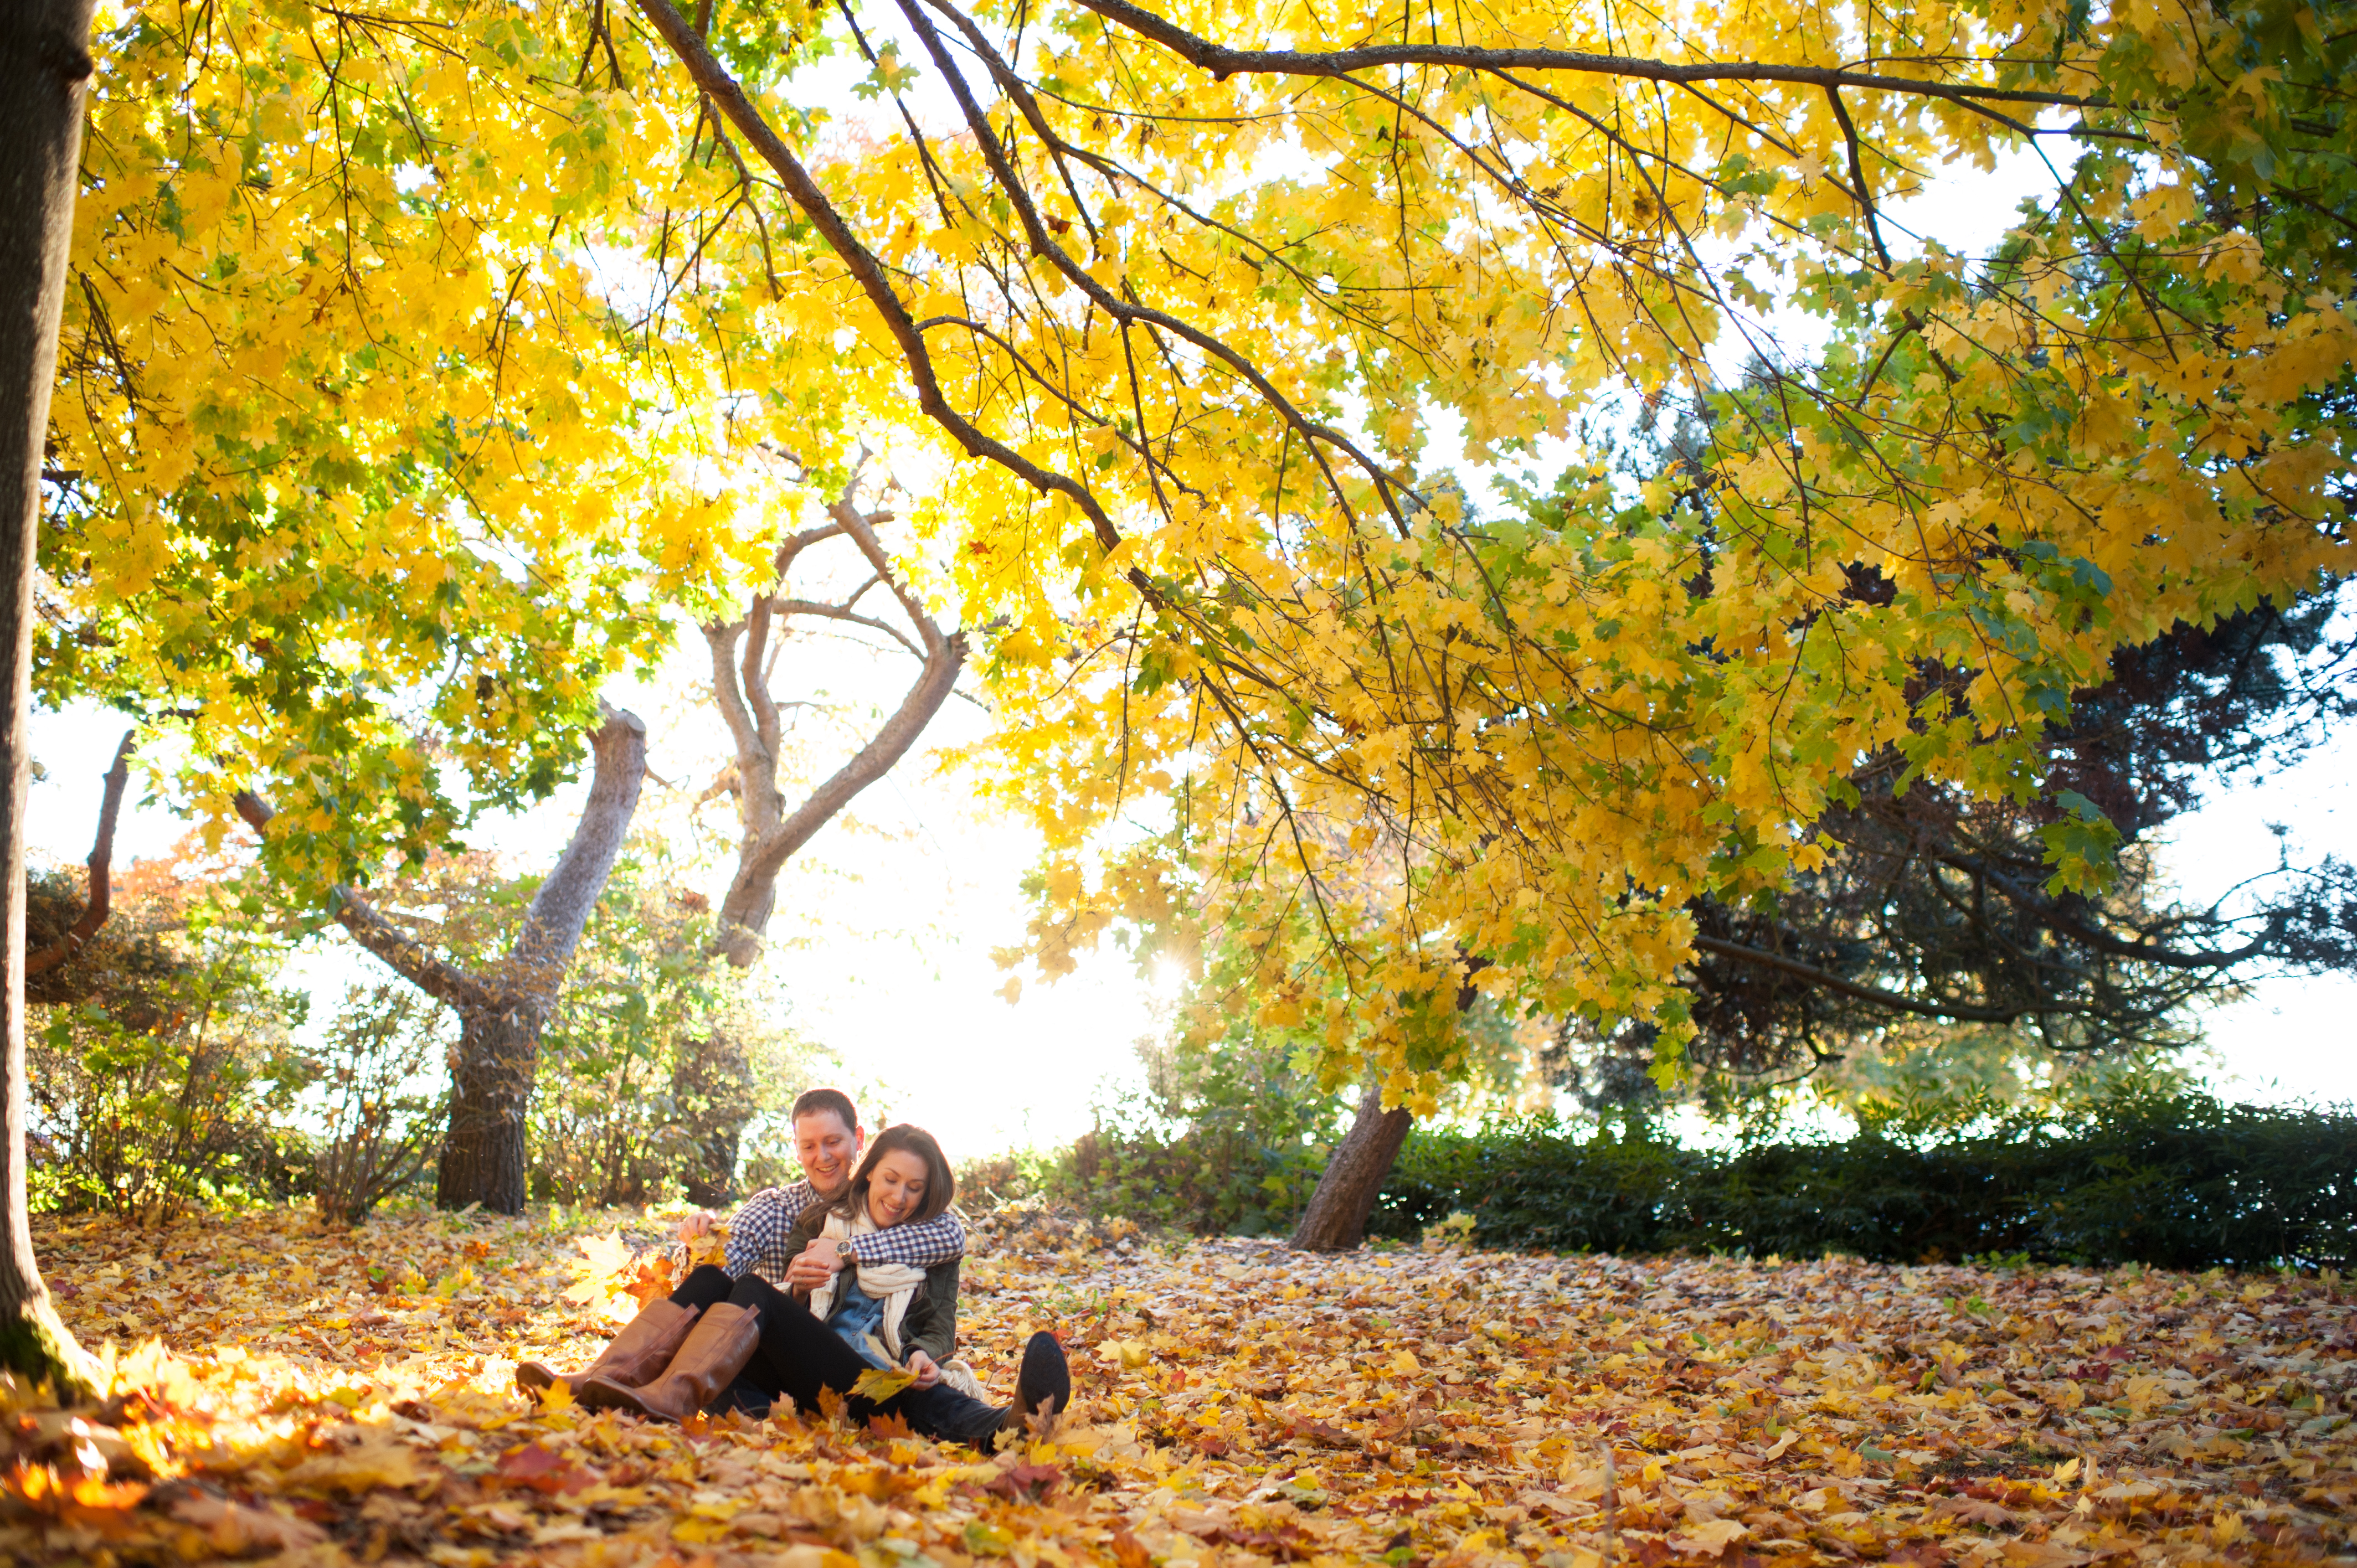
(879,1335)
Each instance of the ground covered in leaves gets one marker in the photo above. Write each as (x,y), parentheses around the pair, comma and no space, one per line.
(346,1397)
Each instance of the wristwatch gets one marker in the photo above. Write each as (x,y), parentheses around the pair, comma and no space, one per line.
(843,1249)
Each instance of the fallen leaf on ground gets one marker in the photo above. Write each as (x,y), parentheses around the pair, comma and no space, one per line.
(1234,1401)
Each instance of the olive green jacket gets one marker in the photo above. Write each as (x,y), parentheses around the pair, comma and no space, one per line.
(930,1325)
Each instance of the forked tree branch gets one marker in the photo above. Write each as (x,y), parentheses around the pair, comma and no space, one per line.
(772,834)
(102,869)
(945,658)
(403,953)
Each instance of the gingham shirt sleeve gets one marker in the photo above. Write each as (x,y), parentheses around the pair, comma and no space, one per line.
(920,1246)
(758,1232)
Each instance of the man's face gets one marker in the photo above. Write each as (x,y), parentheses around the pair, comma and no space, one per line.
(828,1151)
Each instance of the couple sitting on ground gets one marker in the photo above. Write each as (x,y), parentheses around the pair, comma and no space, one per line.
(845,1271)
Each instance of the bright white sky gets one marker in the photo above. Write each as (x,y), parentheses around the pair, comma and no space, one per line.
(887,922)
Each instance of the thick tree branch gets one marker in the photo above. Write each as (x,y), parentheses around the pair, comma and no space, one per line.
(404,954)
(553,926)
(845,613)
(2051,915)
(722,640)
(1864,192)
(1222,61)
(101,868)
(1960,1012)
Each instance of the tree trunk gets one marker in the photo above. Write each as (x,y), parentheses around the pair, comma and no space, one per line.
(101,903)
(44,65)
(483,1149)
(1336,1218)
(484,1156)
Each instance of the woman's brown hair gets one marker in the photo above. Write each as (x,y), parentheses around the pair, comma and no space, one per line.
(941,1186)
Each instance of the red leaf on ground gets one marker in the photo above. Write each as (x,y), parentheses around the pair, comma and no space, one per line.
(534,1466)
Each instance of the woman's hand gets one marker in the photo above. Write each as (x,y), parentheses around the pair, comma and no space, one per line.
(923,1364)
(815,1266)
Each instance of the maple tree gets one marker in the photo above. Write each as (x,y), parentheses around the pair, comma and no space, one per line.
(1150,272)
(45,68)
(361,477)
(1149,287)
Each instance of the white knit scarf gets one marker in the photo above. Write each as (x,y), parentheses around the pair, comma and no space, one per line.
(894,1284)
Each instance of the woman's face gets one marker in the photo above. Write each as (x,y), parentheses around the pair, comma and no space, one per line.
(896,1188)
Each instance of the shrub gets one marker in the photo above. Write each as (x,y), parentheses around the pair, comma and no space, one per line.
(2175,1180)
(383,1099)
(146,1095)
(1531,1184)
(1219,1141)
(660,1069)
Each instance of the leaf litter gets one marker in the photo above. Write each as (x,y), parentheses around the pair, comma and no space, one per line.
(332,1397)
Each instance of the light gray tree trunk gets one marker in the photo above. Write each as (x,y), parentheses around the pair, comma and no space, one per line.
(45,69)
(484,1155)
(740,686)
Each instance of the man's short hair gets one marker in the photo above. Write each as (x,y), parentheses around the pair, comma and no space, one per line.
(833,1101)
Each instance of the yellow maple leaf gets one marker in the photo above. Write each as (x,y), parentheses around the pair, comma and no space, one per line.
(604,1259)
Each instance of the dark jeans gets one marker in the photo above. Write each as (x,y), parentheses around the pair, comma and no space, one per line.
(799,1355)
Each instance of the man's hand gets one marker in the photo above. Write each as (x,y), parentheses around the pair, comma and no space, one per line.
(695,1226)
(815,1266)
(923,1364)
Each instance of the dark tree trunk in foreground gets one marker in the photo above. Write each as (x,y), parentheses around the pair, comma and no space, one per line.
(501,1013)
(44,65)
(1336,1218)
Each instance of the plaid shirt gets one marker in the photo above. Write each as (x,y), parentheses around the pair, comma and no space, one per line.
(758,1232)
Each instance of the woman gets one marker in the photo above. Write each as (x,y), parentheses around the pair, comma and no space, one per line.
(753,1342)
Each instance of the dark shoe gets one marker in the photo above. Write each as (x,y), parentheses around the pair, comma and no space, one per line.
(634,1357)
(721,1343)
(1045,1384)
(942,1413)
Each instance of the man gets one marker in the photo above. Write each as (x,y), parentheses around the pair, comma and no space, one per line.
(827,1140)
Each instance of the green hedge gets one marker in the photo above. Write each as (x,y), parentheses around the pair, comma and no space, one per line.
(2184,1182)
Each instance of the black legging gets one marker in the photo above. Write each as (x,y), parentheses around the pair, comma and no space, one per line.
(798,1356)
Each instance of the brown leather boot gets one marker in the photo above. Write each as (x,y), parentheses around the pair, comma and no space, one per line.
(715,1351)
(636,1356)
